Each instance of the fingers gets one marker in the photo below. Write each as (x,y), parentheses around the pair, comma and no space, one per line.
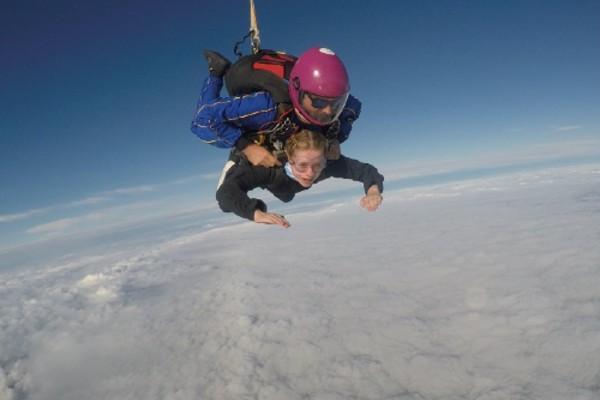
(369,205)
(271,219)
(279,219)
(371,202)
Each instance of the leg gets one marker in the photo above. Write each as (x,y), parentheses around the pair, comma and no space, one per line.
(217,66)
(211,90)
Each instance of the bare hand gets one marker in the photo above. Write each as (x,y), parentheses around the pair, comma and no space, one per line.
(372,200)
(258,155)
(262,217)
(333,150)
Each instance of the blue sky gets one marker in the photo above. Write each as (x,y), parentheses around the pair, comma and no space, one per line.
(96,98)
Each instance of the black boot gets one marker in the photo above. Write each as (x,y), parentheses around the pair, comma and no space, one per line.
(217,64)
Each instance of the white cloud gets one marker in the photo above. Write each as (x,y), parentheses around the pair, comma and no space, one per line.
(115,218)
(533,153)
(567,128)
(23,215)
(490,286)
(103,197)
(186,180)
(88,222)
(130,190)
(197,178)
(54,227)
(214,176)
(92,200)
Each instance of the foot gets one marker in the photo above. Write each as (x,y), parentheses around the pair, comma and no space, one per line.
(217,64)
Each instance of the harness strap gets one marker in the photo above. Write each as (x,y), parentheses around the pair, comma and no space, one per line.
(253,34)
(273,135)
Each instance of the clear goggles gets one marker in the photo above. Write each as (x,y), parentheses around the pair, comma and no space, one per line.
(303,167)
(323,109)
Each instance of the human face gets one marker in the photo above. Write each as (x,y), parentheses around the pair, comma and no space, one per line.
(307,165)
(325,110)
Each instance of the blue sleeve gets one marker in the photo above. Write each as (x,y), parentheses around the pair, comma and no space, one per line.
(349,114)
(222,122)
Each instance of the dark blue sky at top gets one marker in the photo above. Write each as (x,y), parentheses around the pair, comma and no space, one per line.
(100,95)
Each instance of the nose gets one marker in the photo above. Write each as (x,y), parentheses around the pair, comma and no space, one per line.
(311,172)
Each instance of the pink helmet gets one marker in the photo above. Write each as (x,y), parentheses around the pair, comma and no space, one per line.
(319,86)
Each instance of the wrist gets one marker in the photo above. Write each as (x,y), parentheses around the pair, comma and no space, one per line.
(373,190)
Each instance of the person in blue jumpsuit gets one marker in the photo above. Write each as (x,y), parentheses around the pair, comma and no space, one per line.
(256,125)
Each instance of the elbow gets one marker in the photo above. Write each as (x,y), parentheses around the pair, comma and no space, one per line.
(213,131)
(354,105)
(221,199)
(202,127)
(284,197)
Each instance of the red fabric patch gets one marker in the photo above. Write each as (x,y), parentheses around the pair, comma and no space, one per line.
(276,69)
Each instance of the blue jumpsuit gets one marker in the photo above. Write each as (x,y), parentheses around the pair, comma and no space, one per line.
(223,121)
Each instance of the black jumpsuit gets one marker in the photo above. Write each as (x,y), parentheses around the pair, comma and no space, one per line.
(232,195)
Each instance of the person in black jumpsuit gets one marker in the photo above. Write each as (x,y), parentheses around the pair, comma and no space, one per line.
(307,165)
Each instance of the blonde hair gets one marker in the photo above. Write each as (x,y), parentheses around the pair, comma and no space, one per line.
(305,140)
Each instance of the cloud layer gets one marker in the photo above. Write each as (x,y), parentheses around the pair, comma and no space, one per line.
(484,289)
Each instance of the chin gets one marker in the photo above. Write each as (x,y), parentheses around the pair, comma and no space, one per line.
(306,184)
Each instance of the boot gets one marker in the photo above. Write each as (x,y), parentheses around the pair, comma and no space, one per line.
(217,64)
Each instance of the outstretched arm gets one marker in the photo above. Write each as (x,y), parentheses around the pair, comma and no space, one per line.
(232,195)
(372,180)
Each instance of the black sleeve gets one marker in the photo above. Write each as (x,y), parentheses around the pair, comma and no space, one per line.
(242,143)
(232,195)
(349,168)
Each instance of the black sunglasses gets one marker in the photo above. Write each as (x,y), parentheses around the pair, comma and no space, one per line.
(319,102)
